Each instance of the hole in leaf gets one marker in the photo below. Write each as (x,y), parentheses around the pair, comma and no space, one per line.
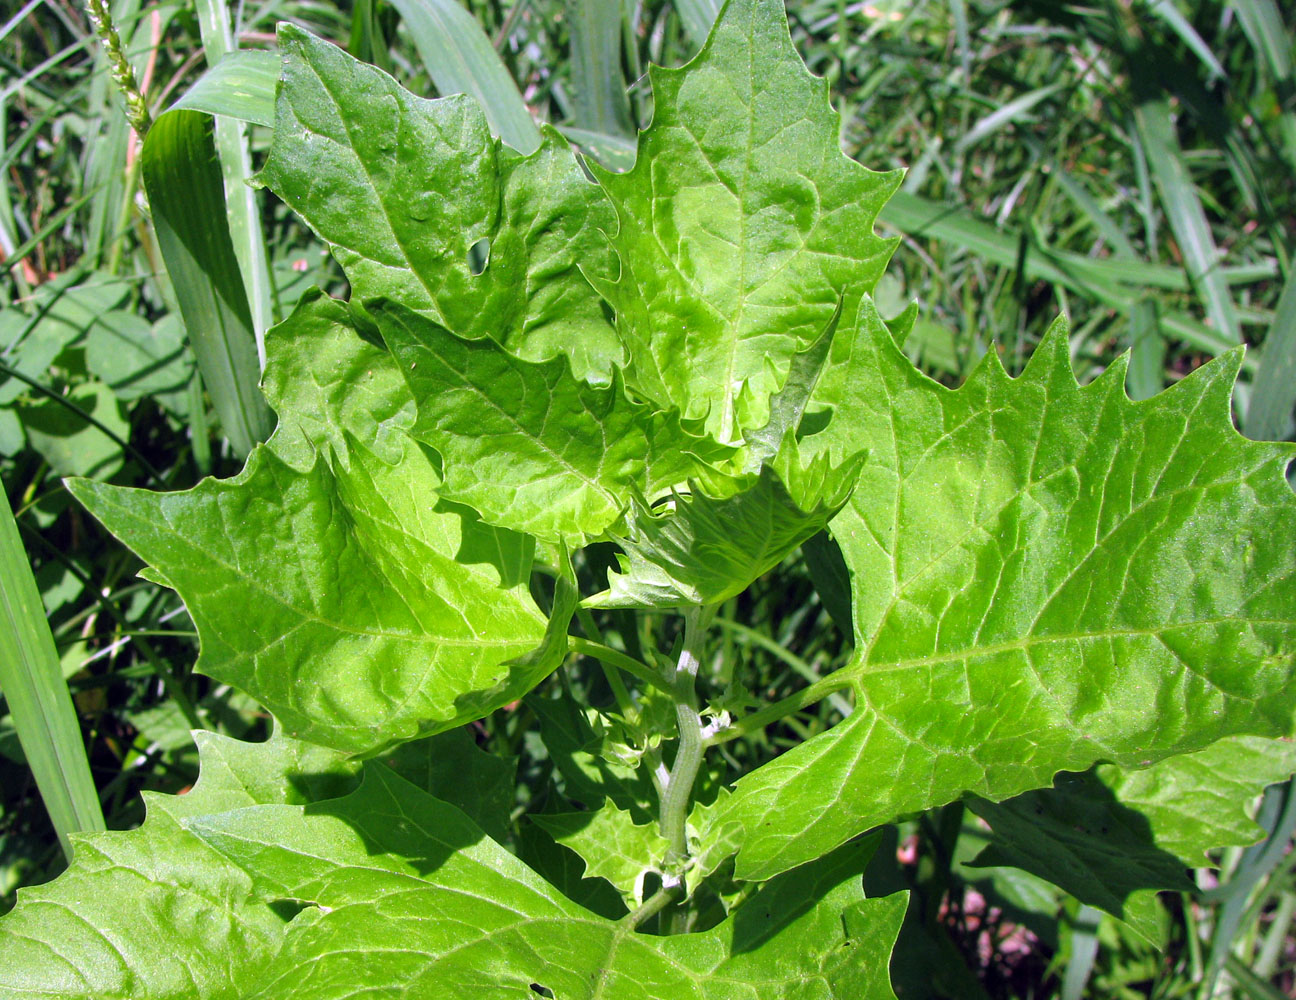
(479,255)
(287,909)
(541,990)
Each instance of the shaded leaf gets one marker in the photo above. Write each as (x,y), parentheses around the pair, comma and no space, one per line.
(95,931)
(407,886)
(137,358)
(1077,836)
(72,445)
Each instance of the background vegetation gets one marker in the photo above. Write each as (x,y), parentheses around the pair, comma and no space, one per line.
(1129,164)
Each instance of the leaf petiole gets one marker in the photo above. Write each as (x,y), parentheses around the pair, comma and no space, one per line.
(817,691)
(616,658)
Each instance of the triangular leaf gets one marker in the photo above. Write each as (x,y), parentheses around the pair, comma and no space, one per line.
(1044,576)
(740,225)
(348,602)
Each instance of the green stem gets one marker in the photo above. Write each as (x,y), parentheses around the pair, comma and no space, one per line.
(799,665)
(625,703)
(616,658)
(817,691)
(653,905)
(688,755)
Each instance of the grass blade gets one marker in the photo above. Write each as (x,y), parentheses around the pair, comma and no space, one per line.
(1105,281)
(601,103)
(698,16)
(242,211)
(242,86)
(615,152)
(31,678)
(1176,22)
(1146,375)
(1273,392)
(1012,111)
(1155,128)
(462,60)
(187,196)
(1084,952)
(1270,38)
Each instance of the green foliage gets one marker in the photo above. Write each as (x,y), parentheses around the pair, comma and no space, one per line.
(685,362)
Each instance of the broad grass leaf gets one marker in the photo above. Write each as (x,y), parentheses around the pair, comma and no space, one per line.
(1044,576)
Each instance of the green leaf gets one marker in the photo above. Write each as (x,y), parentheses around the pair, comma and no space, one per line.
(612,846)
(343,600)
(1199,801)
(97,930)
(702,550)
(326,382)
(404,189)
(410,888)
(529,445)
(1077,836)
(740,225)
(72,445)
(1044,576)
(138,358)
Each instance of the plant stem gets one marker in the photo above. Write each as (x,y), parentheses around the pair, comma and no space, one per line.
(806,670)
(616,658)
(688,755)
(817,691)
(653,905)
